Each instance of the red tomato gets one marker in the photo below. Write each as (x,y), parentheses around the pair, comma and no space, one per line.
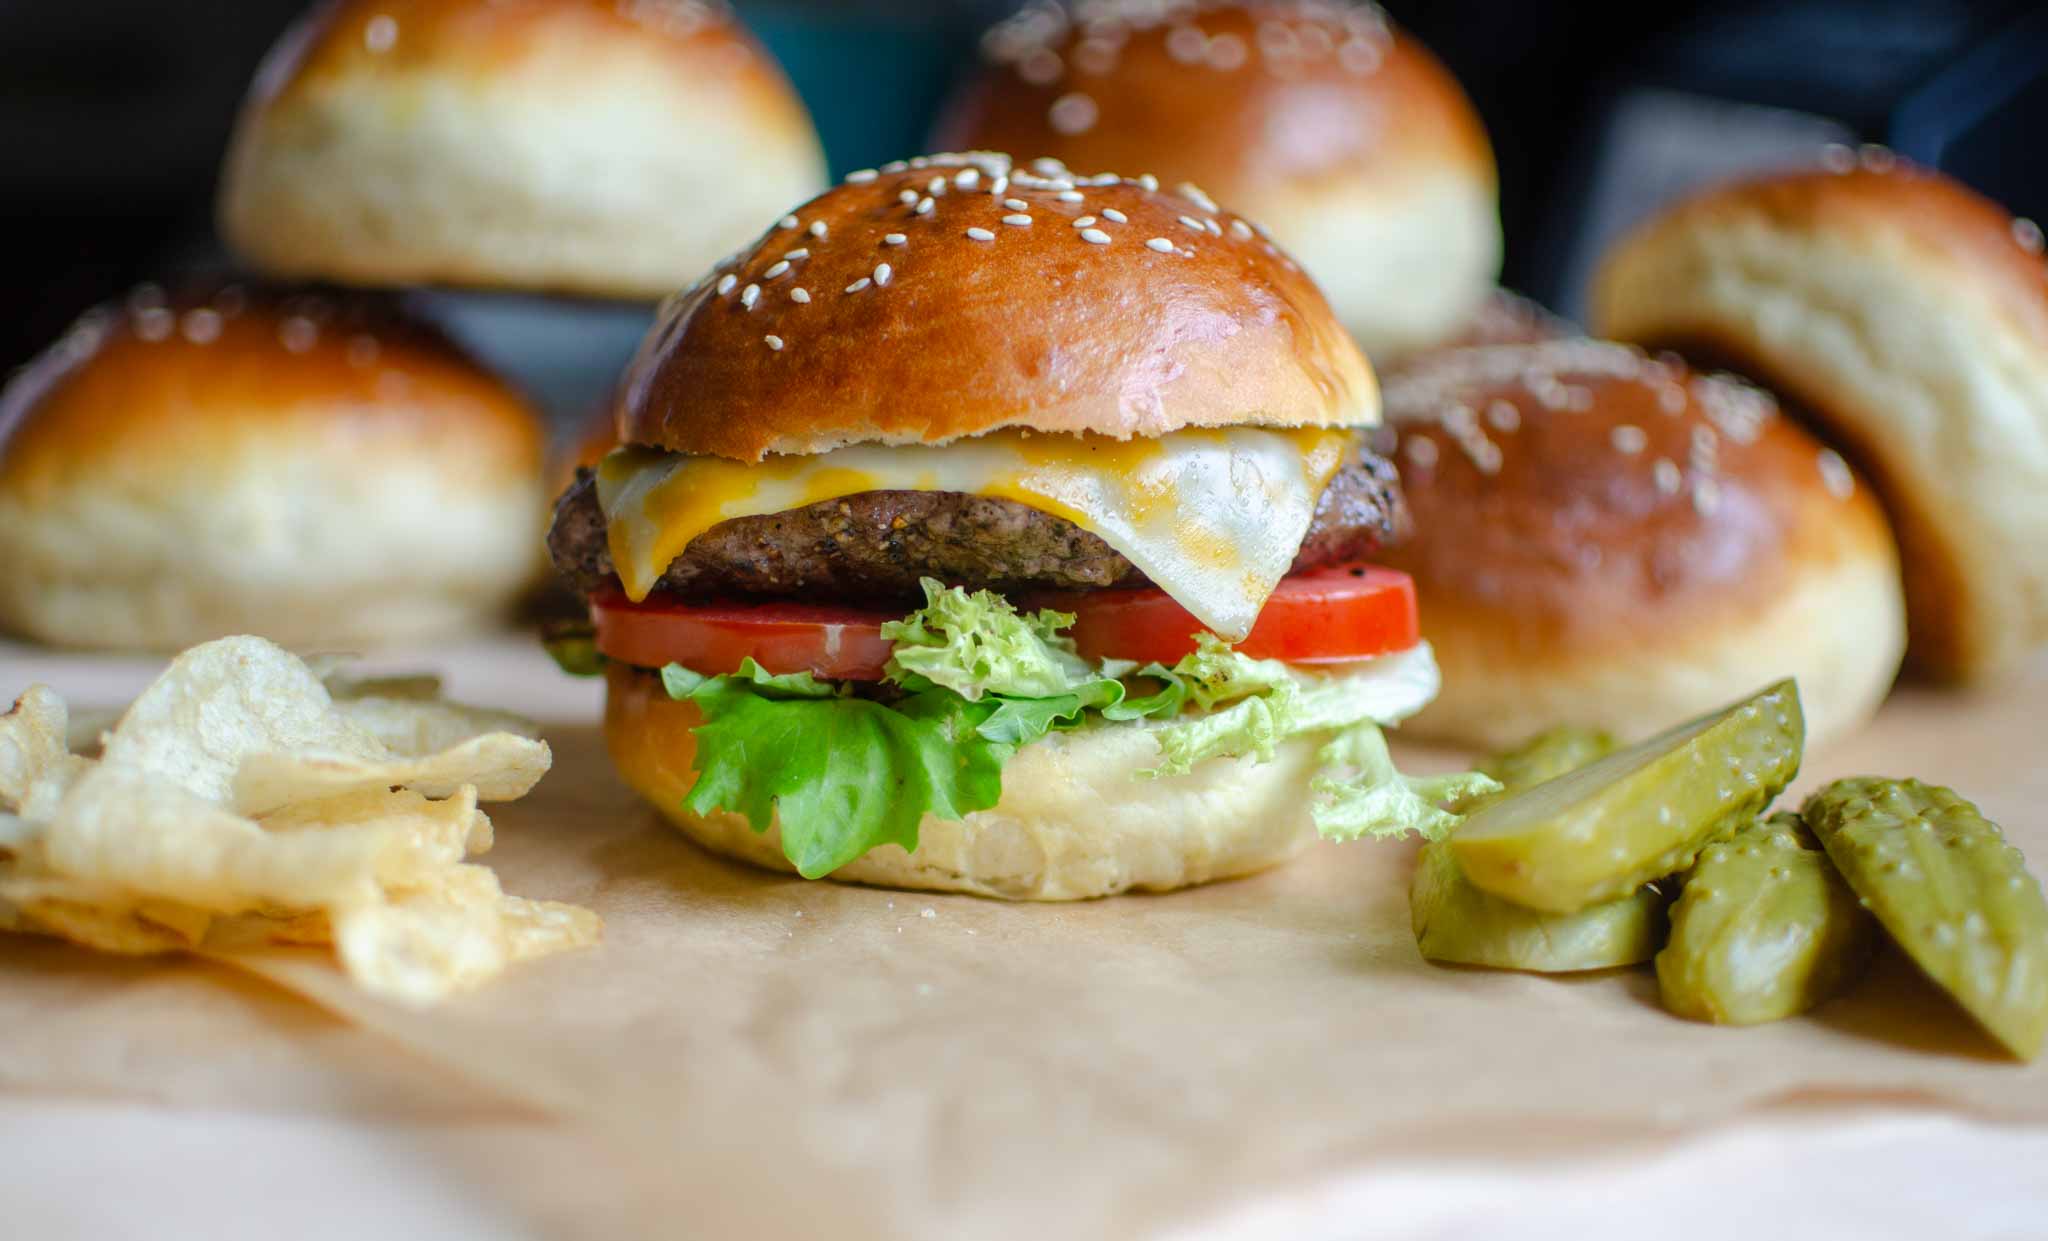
(1322,616)
(842,644)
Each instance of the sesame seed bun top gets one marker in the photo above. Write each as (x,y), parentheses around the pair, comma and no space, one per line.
(1603,537)
(1342,134)
(1907,318)
(954,295)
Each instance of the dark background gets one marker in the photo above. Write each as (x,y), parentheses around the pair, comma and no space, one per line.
(113,114)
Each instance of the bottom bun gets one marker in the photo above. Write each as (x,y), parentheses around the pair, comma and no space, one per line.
(1074,821)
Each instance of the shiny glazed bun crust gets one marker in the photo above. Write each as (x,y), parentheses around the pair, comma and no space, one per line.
(1606,539)
(1072,823)
(954,295)
(606,147)
(1907,318)
(1344,136)
(318,469)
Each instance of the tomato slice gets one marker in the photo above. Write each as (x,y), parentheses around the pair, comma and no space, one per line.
(842,644)
(1335,615)
(1323,616)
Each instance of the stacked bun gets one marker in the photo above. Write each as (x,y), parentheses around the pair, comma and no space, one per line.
(319,468)
(588,146)
(1339,133)
(1907,319)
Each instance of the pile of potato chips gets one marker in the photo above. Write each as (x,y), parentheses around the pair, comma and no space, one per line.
(243,801)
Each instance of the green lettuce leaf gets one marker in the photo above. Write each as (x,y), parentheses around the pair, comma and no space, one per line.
(976,644)
(1359,792)
(844,774)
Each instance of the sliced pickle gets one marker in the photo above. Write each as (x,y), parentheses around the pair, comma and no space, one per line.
(1458,924)
(1601,832)
(1765,929)
(1948,888)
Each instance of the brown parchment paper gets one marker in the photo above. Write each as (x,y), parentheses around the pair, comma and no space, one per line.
(753,1054)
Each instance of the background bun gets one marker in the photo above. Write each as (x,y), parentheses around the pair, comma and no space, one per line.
(1907,319)
(1072,823)
(1345,137)
(587,146)
(317,469)
(1602,538)
(1087,304)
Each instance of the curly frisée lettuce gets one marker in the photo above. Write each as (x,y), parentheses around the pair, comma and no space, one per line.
(977,680)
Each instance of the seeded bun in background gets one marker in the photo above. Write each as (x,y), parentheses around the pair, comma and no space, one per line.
(1607,539)
(1907,319)
(315,468)
(1342,135)
(606,147)
(1088,304)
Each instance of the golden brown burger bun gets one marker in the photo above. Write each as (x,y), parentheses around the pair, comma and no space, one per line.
(1073,821)
(848,320)
(586,146)
(1606,539)
(1345,137)
(317,469)
(1908,319)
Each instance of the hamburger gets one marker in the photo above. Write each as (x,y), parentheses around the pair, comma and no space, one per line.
(1002,531)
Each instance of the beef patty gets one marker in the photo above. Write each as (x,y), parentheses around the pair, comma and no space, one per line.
(873,547)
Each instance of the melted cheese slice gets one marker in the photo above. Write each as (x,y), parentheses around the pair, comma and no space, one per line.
(1213,517)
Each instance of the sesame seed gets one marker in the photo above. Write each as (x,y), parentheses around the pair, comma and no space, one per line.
(1073,114)
(1016,204)
(800,295)
(727,283)
(1041,68)
(776,270)
(907,197)
(1149,183)
(862,177)
(1420,451)
(1227,52)
(1877,158)
(1706,497)
(937,187)
(2027,234)
(793,255)
(774,342)
(750,295)
(1103,178)
(1084,221)
(1017,221)
(1095,235)
(1240,230)
(1194,194)
(1001,186)
(1114,216)
(1047,166)
(896,166)
(893,239)
(381,33)
(1070,196)
(298,334)
(883,273)
(1503,415)
(1666,475)
(1215,229)
(154,323)
(1160,244)
(818,229)
(201,327)
(1837,158)
(967,178)
(1628,440)
(925,206)
(981,234)
(858,285)
(1671,399)
(1834,472)
(1189,221)
(788,221)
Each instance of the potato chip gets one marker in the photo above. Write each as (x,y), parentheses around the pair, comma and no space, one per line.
(540,928)
(33,738)
(149,835)
(426,834)
(221,702)
(500,766)
(413,728)
(109,930)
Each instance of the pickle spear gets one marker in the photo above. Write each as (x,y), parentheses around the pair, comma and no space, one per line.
(1764,930)
(1950,891)
(1457,923)
(1639,814)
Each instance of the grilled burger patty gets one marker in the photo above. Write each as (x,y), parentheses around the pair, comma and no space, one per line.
(873,547)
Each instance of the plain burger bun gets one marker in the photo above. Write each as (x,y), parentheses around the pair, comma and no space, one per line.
(607,147)
(1907,318)
(955,295)
(1607,539)
(1073,823)
(1338,132)
(314,468)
